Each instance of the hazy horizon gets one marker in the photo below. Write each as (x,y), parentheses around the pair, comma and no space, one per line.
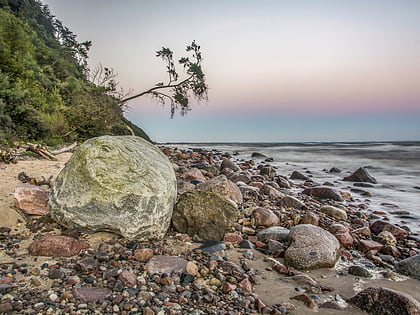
(278,71)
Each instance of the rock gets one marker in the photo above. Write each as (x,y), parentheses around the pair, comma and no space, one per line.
(410,267)
(193,173)
(385,301)
(334,212)
(282,182)
(276,233)
(183,186)
(31,199)
(128,278)
(367,245)
(249,192)
(224,187)
(87,265)
(246,285)
(359,271)
(56,273)
(345,239)
(6,307)
(291,202)
(387,238)
(228,287)
(258,155)
(378,226)
(307,300)
(311,247)
(205,214)
(120,184)
(299,175)
(91,294)
(143,254)
(56,246)
(360,175)
(310,218)
(264,217)
(235,238)
(323,192)
(240,177)
(334,170)
(211,247)
(268,170)
(166,264)
(271,192)
(229,164)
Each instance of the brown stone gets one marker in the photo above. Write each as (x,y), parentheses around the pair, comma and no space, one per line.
(363,231)
(378,226)
(246,285)
(310,218)
(31,199)
(224,187)
(291,202)
(235,237)
(193,173)
(128,278)
(367,245)
(191,268)
(308,301)
(56,246)
(91,294)
(323,192)
(87,265)
(264,217)
(227,287)
(345,239)
(143,254)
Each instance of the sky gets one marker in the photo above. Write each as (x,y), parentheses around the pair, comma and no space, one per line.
(278,71)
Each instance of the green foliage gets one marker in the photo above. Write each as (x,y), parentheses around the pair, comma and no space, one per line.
(178,95)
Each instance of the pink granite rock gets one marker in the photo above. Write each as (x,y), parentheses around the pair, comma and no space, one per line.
(56,246)
(378,226)
(264,217)
(91,294)
(31,199)
(128,278)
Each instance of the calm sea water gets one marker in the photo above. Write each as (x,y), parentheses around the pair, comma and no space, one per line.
(395,165)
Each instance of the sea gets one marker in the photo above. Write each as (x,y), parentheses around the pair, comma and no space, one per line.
(395,166)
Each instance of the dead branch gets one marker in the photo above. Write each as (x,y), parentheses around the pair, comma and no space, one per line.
(41,150)
(33,181)
(68,148)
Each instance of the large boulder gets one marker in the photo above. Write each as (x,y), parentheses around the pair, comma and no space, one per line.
(360,175)
(205,214)
(311,247)
(385,301)
(224,187)
(119,184)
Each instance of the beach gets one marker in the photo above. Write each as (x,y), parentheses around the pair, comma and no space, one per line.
(55,295)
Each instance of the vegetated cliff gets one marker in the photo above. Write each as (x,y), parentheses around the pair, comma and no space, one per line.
(46,93)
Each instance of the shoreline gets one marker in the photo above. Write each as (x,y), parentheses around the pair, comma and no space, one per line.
(272,287)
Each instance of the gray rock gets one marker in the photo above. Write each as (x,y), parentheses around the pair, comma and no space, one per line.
(276,233)
(299,175)
(359,271)
(268,170)
(118,184)
(291,202)
(311,247)
(410,267)
(360,175)
(224,187)
(204,214)
(385,302)
(282,182)
(323,192)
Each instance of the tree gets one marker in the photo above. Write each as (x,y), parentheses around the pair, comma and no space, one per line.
(176,90)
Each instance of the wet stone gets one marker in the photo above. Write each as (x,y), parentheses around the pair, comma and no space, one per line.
(359,271)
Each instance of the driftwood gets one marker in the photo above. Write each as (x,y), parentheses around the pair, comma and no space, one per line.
(32,180)
(41,150)
(68,148)
(8,155)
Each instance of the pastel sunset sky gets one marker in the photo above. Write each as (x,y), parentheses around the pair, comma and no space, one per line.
(278,71)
